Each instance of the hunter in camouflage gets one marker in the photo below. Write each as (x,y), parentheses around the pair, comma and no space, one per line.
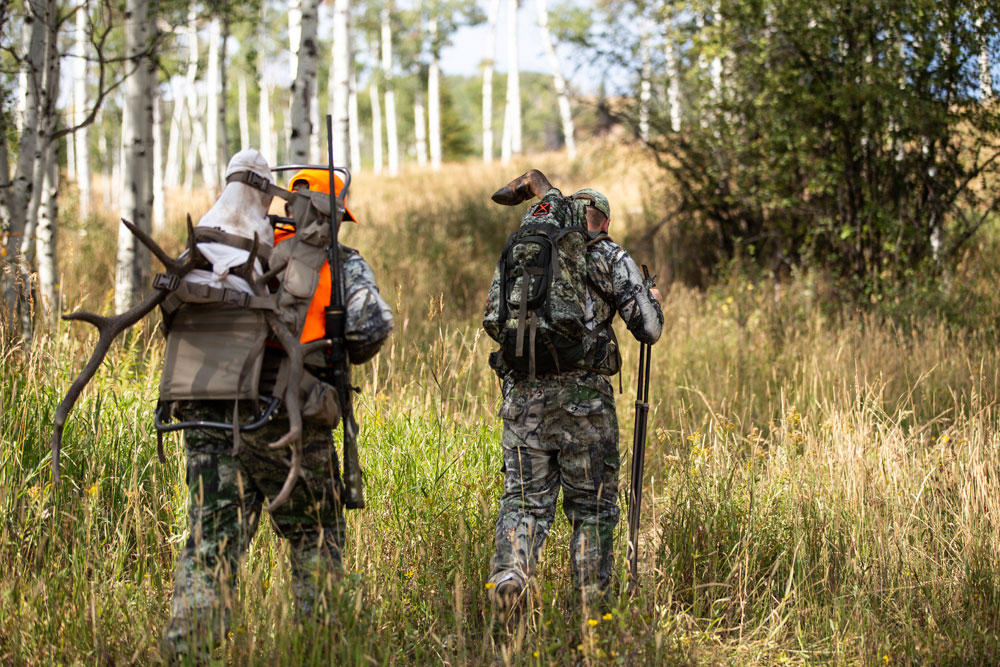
(227,490)
(561,430)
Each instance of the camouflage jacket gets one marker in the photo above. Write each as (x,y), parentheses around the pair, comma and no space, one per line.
(369,317)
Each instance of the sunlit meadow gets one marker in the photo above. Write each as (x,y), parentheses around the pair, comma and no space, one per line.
(822,485)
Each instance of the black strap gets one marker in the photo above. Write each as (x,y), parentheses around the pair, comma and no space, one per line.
(258,182)
(216,235)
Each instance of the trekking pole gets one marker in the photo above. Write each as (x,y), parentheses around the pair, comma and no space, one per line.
(638,458)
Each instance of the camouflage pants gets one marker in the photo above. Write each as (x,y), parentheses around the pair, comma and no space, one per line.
(225,496)
(559,432)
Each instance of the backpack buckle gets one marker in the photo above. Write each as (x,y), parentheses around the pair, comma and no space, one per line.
(235,297)
(166,281)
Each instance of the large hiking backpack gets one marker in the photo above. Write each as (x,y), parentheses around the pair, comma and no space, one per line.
(217,338)
(537,301)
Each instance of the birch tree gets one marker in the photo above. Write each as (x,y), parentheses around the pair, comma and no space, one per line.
(375,98)
(304,85)
(392,136)
(47,169)
(212,74)
(352,117)
(340,84)
(137,196)
(512,116)
(562,92)
(81,145)
(488,64)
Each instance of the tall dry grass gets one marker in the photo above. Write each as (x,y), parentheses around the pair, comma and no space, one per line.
(822,485)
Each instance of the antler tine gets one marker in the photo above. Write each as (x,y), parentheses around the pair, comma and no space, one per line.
(245,270)
(108,329)
(297,353)
(153,246)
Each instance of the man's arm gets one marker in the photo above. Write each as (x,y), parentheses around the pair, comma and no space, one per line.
(635,300)
(369,317)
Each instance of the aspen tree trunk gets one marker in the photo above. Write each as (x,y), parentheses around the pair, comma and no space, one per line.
(264,123)
(191,102)
(420,127)
(491,48)
(562,92)
(16,282)
(304,86)
(645,84)
(985,76)
(373,94)
(392,137)
(434,97)
(211,170)
(513,78)
(244,112)
(340,84)
(223,84)
(48,170)
(82,152)
(137,197)
(352,120)
(105,157)
(159,192)
(172,171)
(674,87)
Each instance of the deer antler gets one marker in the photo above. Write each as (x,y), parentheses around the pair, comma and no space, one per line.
(531,183)
(297,352)
(110,327)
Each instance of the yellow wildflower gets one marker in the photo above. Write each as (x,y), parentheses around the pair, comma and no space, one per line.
(93,489)
(490,585)
(607,616)
(535,654)
(592,622)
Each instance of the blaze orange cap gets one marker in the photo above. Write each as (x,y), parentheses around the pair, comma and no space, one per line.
(318,180)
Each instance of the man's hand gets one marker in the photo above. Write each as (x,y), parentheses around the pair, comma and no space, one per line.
(656,295)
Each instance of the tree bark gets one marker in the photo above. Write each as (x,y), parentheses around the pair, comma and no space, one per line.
(514,78)
(562,92)
(340,84)
(137,197)
(434,97)
(392,137)
(82,146)
(48,169)
(244,112)
(488,65)
(172,171)
(159,192)
(212,107)
(420,127)
(352,120)
(374,96)
(304,87)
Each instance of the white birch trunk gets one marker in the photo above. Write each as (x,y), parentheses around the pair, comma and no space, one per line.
(340,84)
(392,137)
(82,152)
(136,199)
(488,66)
(420,127)
(645,83)
(244,111)
(294,42)
(48,209)
(159,193)
(352,120)
(211,157)
(562,92)
(304,86)
(513,78)
(373,94)
(985,76)
(264,123)
(434,98)
(674,86)
(172,171)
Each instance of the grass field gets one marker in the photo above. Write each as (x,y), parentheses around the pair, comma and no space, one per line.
(823,485)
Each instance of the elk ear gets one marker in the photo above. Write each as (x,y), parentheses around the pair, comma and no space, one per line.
(531,183)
